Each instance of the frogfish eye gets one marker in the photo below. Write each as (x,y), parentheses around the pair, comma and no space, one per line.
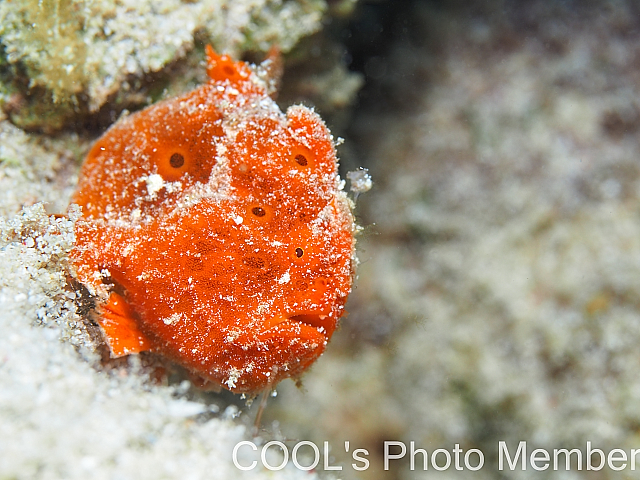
(176,160)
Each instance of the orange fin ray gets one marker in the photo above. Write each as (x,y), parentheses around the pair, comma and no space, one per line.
(120,328)
(223,67)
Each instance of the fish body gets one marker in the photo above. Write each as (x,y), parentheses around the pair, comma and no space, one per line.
(216,230)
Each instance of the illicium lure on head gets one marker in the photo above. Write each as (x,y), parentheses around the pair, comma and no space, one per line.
(216,232)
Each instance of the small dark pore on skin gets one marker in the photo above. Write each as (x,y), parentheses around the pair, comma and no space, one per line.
(258,211)
(299,252)
(176,160)
(229,71)
(301,160)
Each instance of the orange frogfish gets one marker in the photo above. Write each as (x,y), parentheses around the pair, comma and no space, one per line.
(217,233)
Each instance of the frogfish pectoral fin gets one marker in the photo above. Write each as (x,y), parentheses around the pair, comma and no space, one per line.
(121,331)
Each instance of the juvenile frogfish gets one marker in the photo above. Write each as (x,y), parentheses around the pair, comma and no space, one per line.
(217,233)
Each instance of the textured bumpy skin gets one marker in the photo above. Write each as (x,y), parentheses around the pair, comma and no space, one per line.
(216,228)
